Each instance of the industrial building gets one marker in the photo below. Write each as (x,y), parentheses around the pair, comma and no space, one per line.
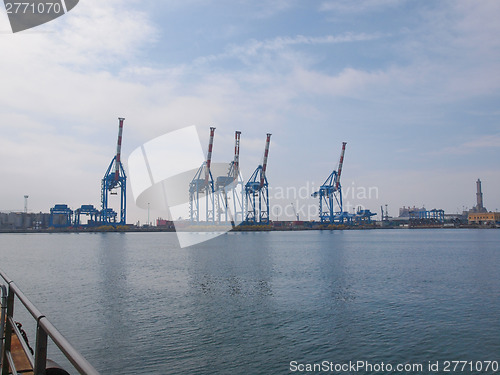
(414,213)
(23,220)
(479,214)
(484,218)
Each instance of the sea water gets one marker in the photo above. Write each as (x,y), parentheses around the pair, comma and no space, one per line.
(267,302)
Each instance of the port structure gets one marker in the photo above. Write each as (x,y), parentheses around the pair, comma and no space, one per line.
(330,196)
(114,179)
(363,216)
(435,215)
(90,212)
(257,193)
(201,185)
(230,200)
(60,216)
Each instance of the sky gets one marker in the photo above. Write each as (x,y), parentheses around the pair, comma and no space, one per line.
(413,87)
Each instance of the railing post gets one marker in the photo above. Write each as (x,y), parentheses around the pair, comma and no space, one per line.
(3,303)
(40,349)
(8,331)
(44,330)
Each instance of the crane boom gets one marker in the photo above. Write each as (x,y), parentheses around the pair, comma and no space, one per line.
(264,163)
(209,154)
(236,161)
(341,161)
(118,149)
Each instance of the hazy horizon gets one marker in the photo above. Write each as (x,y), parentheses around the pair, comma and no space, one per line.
(412,87)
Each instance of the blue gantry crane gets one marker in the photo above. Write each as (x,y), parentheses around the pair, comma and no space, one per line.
(257,193)
(114,179)
(330,196)
(230,198)
(90,212)
(203,184)
(60,216)
(363,216)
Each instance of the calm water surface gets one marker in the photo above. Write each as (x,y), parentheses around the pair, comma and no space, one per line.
(250,303)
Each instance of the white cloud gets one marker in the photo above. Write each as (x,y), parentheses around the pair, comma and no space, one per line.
(349,82)
(358,6)
(457,46)
(103,32)
(56,96)
(93,35)
(61,71)
(269,8)
(255,48)
(479,144)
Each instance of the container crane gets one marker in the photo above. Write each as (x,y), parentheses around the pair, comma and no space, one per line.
(231,186)
(256,192)
(330,195)
(113,180)
(203,184)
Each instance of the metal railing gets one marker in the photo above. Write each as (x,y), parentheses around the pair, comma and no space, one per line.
(44,329)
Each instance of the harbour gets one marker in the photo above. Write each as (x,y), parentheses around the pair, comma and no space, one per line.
(253,302)
(250,187)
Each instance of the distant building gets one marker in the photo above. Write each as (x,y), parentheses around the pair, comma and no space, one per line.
(420,216)
(484,218)
(161,223)
(411,211)
(23,220)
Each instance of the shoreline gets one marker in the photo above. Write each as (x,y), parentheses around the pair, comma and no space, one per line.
(244,228)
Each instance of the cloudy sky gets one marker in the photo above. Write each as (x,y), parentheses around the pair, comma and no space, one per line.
(413,87)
